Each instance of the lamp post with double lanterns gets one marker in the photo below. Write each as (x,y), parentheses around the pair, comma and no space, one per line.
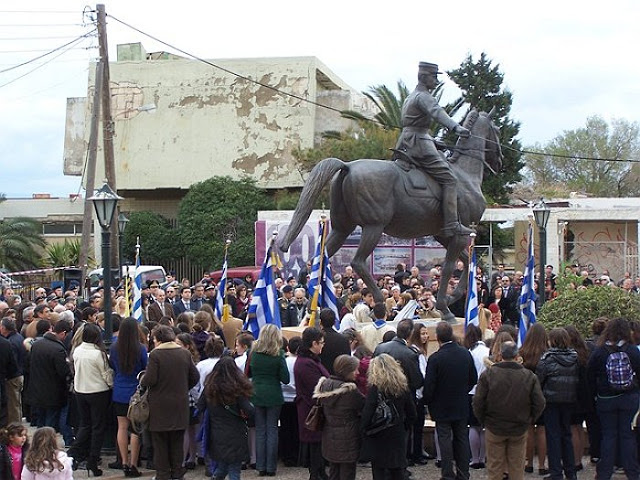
(541,213)
(105,202)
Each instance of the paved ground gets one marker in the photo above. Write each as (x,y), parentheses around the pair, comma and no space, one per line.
(429,472)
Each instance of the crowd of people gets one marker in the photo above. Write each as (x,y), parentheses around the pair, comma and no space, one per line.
(224,401)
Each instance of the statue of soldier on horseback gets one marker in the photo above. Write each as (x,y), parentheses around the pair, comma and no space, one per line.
(438,198)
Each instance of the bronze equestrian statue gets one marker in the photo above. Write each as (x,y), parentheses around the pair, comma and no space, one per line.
(396,198)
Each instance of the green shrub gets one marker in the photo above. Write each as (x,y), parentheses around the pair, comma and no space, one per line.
(581,307)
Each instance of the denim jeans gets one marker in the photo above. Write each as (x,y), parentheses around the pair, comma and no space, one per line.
(232,469)
(267,438)
(618,440)
(453,437)
(557,422)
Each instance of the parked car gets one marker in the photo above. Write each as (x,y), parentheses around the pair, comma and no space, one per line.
(149,272)
(238,272)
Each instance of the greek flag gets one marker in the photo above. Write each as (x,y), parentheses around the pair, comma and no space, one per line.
(527,294)
(320,285)
(222,290)
(137,288)
(471,312)
(264,306)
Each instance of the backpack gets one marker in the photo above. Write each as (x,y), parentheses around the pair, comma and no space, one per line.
(620,375)
(138,412)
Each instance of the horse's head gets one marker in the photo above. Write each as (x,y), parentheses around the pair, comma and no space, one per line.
(482,128)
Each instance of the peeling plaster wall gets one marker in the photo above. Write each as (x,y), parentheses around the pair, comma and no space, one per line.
(208,122)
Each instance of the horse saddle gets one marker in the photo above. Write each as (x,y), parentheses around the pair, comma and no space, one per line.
(416,182)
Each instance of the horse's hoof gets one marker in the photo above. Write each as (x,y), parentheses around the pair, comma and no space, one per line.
(449,317)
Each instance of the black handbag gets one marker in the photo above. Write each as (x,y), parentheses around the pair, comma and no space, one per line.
(384,416)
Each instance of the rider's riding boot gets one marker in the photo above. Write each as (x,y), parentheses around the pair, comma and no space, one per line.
(450,212)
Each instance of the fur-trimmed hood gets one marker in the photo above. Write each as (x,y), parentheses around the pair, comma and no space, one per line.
(332,387)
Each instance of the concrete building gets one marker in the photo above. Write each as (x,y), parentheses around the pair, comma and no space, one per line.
(179,121)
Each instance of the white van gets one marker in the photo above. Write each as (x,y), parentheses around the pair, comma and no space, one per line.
(149,272)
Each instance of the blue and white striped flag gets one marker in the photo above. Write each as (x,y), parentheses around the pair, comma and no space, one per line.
(471,312)
(264,306)
(323,282)
(527,294)
(137,287)
(222,290)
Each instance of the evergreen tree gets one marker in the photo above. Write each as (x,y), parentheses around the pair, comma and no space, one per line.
(481,85)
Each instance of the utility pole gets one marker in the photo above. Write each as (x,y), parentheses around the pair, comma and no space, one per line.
(108,129)
(87,218)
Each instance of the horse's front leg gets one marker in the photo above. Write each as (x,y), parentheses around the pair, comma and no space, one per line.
(454,247)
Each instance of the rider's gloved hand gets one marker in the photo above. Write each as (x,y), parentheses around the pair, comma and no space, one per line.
(461,131)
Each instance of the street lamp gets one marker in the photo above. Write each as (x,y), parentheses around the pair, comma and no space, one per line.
(541,213)
(122,225)
(105,202)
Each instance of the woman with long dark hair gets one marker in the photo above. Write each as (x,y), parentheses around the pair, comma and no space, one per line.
(419,341)
(226,396)
(128,357)
(92,383)
(535,344)
(616,403)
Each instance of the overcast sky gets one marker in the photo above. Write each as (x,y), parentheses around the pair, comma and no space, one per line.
(563,60)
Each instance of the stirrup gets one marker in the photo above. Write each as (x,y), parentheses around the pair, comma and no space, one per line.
(454,229)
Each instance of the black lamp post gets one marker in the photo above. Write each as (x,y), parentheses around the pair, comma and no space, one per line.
(105,202)
(541,213)
(122,225)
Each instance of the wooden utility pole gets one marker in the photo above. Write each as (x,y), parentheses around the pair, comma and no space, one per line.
(108,129)
(87,218)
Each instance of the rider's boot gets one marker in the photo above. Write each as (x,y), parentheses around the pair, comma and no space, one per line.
(450,213)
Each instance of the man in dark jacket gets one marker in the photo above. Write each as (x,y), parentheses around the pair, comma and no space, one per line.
(334,343)
(450,375)
(8,369)
(49,376)
(400,350)
(14,382)
(507,400)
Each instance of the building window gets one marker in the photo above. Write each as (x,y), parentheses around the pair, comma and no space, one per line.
(62,228)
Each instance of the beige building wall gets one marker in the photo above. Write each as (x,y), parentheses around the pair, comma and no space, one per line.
(179,121)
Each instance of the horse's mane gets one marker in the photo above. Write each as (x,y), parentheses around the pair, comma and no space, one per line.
(468,123)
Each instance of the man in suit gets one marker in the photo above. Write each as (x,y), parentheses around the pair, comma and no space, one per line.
(450,375)
(334,343)
(198,299)
(184,304)
(509,302)
(399,349)
(160,308)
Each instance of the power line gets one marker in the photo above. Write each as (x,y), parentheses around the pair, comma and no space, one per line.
(195,57)
(80,39)
(11,39)
(48,53)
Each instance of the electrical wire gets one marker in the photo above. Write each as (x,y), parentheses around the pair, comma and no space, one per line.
(48,53)
(80,39)
(11,39)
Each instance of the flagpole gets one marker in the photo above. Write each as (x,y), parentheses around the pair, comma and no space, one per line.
(470,275)
(225,305)
(316,293)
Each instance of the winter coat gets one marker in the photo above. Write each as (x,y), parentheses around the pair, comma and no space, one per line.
(557,371)
(170,375)
(451,373)
(6,463)
(65,474)
(597,369)
(407,357)
(50,375)
(229,432)
(342,404)
(307,372)
(387,448)
(508,399)
(335,344)
(266,373)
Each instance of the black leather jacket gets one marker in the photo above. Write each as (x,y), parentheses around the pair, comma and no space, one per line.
(558,375)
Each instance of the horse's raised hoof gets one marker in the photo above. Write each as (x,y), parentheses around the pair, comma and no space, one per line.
(449,317)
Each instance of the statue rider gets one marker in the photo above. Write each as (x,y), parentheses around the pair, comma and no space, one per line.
(418,110)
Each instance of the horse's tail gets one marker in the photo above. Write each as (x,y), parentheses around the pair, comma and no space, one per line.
(321,174)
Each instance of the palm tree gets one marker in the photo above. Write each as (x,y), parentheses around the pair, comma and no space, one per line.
(19,240)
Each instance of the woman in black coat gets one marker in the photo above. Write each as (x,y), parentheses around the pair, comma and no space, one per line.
(226,395)
(387,448)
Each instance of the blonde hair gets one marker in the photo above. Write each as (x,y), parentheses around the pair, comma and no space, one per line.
(43,454)
(269,341)
(386,374)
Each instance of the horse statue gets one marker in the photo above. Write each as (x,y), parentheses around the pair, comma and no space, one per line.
(393,198)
